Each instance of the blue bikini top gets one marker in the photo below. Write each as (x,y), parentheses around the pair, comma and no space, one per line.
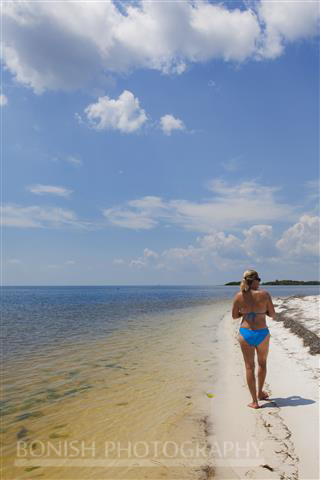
(252,315)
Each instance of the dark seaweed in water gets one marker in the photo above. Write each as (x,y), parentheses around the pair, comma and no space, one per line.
(26,415)
(23,432)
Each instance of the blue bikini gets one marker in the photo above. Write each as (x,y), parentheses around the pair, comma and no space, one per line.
(254,337)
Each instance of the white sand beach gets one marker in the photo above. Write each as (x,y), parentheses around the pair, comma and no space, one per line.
(285,432)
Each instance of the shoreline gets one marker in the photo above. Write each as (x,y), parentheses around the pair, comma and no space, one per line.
(202,341)
(287,438)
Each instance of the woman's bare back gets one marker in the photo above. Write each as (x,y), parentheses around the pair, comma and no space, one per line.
(254,301)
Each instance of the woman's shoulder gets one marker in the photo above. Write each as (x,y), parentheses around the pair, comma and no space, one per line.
(262,290)
(261,294)
(264,293)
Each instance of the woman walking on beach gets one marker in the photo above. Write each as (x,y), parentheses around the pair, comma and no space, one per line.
(253,305)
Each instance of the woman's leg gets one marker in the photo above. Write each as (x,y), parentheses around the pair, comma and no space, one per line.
(262,353)
(248,356)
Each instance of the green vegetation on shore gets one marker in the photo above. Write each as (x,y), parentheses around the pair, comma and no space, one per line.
(282,282)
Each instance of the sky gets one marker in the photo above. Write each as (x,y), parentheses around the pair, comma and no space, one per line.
(159,143)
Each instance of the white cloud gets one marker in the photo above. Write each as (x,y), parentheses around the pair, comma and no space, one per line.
(76,161)
(255,245)
(118,261)
(147,253)
(124,113)
(149,258)
(286,22)
(138,214)
(259,243)
(138,263)
(222,33)
(148,203)
(71,159)
(218,250)
(3,100)
(169,123)
(56,266)
(40,189)
(85,41)
(231,207)
(302,239)
(190,257)
(38,217)
(224,245)
(128,219)
(72,38)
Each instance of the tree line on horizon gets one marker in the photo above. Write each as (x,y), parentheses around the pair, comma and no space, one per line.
(282,282)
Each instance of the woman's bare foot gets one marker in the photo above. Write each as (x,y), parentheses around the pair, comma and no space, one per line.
(254,405)
(263,395)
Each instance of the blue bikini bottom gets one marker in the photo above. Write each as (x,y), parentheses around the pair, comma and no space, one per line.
(254,337)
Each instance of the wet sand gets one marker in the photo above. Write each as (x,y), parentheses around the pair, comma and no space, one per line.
(147,385)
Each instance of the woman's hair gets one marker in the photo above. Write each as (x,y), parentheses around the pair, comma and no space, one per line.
(248,277)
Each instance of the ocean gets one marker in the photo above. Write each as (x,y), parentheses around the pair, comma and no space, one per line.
(117,364)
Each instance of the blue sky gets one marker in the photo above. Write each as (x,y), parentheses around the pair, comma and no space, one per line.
(162,143)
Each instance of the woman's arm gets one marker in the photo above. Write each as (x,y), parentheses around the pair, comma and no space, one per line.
(236,308)
(270,307)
